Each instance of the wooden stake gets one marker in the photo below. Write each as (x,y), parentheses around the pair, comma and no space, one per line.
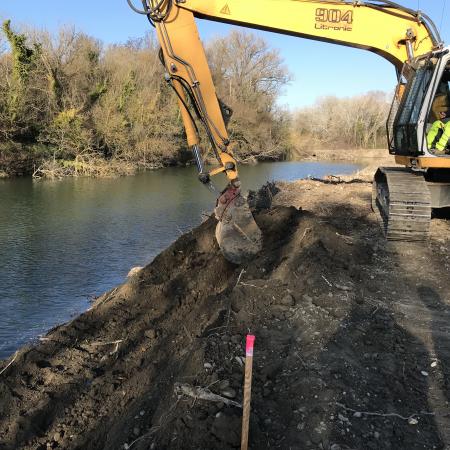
(247,390)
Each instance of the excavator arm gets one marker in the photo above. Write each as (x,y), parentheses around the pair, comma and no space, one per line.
(383,27)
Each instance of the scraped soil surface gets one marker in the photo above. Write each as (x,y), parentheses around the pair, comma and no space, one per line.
(352,342)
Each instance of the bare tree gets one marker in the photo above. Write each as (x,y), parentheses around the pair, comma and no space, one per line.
(249,76)
(355,122)
(83,102)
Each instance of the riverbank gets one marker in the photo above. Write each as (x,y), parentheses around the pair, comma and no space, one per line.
(38,162)
(23,162)
(348,154)
(369,160)
(97,167)
(352,347)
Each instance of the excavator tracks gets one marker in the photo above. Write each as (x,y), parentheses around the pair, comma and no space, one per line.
(403,201)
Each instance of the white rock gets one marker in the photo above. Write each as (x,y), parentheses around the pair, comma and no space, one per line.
(434,364)
(238,359)
(134,271)
(425,374)
(228,392)
(207,365)
(413,421)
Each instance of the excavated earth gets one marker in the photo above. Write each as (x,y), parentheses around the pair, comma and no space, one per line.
(352,342)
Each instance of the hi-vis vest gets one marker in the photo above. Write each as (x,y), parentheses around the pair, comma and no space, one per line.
(435,133)
(445,137)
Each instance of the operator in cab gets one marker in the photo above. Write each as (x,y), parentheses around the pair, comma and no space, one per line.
(439,134)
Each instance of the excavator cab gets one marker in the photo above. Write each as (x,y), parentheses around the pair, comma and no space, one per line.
(405,196)
(423,92)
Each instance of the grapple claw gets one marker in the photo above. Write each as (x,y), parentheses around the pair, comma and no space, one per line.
(237,233)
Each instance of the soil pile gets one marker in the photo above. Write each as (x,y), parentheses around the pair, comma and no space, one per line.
(352,342)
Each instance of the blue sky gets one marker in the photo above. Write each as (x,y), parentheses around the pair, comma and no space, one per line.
(318,69)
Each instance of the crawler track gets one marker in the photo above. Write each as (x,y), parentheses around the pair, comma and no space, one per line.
(403,200)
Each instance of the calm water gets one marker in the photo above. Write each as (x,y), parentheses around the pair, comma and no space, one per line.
(63,242)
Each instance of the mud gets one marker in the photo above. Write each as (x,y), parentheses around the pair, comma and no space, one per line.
(352,342)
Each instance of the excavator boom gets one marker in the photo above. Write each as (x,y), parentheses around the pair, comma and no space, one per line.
(384,28)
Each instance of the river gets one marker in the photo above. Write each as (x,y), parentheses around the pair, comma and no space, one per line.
(63,242)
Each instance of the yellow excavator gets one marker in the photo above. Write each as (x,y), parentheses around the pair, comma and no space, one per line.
(403,196)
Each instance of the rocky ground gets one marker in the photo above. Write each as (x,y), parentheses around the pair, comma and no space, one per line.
(352,342)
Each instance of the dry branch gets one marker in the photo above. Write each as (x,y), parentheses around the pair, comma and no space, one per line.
(369,413)
(199,393)
(4,368)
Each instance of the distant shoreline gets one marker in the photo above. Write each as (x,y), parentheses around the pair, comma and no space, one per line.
(352,154)
(100,168)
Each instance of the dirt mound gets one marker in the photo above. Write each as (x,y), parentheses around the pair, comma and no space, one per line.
(336,364)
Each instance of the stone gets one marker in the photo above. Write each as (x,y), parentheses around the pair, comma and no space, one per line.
(279,311)
(213,378)
(288,300)
(271,370)
(236,339)
(224,384)
(266,391)
(212,410)
(134,271)
(150,334)
(239,360)
(316,436)
(228,392)
(238,299)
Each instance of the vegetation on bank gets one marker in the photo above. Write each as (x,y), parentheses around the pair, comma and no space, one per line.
(343,123)
(70,105)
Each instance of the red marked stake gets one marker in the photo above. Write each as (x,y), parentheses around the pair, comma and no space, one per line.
(247,390)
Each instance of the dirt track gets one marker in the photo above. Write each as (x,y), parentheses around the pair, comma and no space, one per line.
(352,342)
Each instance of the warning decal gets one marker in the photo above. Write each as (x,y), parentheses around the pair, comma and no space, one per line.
(225,9)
